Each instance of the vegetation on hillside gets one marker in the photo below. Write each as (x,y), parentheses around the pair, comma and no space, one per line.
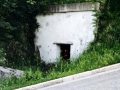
(17,27)
(17,24)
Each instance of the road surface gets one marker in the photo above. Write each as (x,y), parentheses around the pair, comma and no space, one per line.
(109,80)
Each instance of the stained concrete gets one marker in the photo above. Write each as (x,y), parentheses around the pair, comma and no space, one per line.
(75,7)
(70,24)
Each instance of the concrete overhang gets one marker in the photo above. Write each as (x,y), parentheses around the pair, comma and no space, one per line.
(76,7)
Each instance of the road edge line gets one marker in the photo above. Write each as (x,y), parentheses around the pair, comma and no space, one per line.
(71,77)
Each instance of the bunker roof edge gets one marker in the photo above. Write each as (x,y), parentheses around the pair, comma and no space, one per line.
(75,7)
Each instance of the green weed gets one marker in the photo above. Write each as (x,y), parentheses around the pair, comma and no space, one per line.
(96,56)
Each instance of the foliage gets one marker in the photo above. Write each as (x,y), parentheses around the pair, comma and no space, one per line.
(96,56)
(109,28)
(17,27)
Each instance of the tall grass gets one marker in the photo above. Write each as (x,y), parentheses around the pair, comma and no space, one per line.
(96,56)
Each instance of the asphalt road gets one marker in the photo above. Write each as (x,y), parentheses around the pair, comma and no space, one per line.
(109,80)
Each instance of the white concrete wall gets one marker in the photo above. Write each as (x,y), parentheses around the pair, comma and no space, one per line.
(70,27)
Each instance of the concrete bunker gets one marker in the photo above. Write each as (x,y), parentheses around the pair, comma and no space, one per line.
(65,31)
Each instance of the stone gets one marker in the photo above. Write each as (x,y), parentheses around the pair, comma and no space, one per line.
(8,72)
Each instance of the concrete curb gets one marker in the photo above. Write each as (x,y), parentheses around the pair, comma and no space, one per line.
(71,77)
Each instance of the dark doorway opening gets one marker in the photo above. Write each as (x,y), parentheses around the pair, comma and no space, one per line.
(65,51)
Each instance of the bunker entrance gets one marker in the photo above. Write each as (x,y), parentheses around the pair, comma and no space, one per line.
(65,51)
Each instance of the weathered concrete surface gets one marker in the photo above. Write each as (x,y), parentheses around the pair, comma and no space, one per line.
(76,7)
(8,72)
(70,24)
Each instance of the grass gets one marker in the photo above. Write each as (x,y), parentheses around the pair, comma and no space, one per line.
(98,55)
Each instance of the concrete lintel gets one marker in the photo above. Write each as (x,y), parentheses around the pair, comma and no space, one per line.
(70,43)
(76,7)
